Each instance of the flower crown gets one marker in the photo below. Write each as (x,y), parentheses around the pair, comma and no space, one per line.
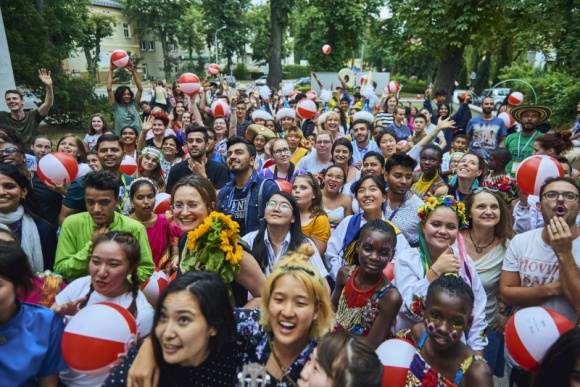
(154,151)
(432,202)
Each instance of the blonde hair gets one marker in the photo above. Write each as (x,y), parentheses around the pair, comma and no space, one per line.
(329,116)
(296,264)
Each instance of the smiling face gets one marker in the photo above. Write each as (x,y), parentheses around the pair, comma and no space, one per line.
(183,331)
(11,155)
(188,219)
(97,124)
(169,148)
(238,159)
(220,127)
(110,155)
(331,123)
(388,145)
(158,128)
(334,180)
(148,162)
(341,155)
(128,136)
(360,133)
(109,267)
(179,108)
(400,179)
(93,162)
(369,196)
(375,250)
(126,98)
(68,145)
(430,161)
(468,167)
(441,228)
(144,201)
(443,111)
(279,211)
(446,318)
(485,210)
(372,166)
(14,102)
(10,194)
(286,122)
(186,119)
(291,310)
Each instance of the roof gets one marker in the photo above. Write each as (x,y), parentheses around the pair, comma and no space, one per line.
(107,3)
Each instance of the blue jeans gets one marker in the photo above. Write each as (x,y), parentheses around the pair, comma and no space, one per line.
(493,353)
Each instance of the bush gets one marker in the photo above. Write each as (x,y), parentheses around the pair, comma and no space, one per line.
(255,75)
(241,72)
(417,87)
(295,71)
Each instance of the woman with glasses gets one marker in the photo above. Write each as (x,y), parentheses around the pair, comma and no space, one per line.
(193,198)
(280,233)
(283,168)
(486,240)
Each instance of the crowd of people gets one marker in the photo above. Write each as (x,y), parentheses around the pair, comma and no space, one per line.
(356,226)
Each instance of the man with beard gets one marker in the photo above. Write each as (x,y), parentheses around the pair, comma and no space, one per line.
(197,163)
(486,132)
(110,154)
(541,266)
(402,205)
(521,145)
(244,197)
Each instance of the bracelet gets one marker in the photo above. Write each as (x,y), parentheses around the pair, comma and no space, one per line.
(174,256)
(433,270)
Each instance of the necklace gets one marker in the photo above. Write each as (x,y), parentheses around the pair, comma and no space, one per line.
(285,371)
(356,298)
(143,221)
(479,249)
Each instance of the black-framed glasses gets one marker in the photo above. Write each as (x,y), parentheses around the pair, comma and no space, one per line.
(280,152)
(552,196)
(9,151)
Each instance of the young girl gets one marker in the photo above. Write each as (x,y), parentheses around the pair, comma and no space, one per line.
(71,144)
(386,116)
(428,180)
(115,257)
(294,137)
(176,118)
(363,298)
(336,204)
(387,142)
(342,152)
(150,167)
(441,359)
(97,126)
(259,142)
(41,146)
(314,221)
(31,334)
(92,160)
(129,137)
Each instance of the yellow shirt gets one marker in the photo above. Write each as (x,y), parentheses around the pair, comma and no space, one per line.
(318,228)
(298,155)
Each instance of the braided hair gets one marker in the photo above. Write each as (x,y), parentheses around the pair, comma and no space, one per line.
(453,285)
(351,252)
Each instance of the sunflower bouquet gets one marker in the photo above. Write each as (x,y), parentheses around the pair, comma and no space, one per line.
(214,246)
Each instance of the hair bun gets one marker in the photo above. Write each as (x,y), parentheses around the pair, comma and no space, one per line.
(305,251)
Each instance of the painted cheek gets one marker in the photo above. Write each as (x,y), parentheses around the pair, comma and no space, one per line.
(430,326)
(454,335)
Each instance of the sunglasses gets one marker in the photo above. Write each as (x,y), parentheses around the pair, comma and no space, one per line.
(9,151)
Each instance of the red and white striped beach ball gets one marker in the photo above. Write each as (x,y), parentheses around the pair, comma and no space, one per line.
(162,203)
(534,171)
(393,87)
(284,186)
(189,84)
(120,58)
(361,80)
(219,107)
(530,332)
(56,167)
(326,49)
(311,94)
(306,108)
(396,356)
(214,69)
(128,165)
(294,94)
(153,287)
(95,337)
(507,119)
(515,98)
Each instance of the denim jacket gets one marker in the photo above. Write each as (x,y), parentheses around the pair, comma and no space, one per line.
(253,213)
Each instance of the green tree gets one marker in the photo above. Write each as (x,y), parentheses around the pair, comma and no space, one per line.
(160,18)
(97,26)
(190,34)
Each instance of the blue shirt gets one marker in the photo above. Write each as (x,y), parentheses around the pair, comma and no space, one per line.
(359,154)
(32,346)
(486,134)
(403,132)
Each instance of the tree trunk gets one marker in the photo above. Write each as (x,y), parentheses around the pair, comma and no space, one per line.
(90,64)
(276,32)
(429,69)
(448,70)
(165,49)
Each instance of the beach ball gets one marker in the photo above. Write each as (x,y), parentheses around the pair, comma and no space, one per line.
(530,332)
(153,287)
(294,94)
(326,49)
(128,165)
(162,203)
(311,94)
(306,108)
(56,167)
(95,337)
(219,107)
(396,356)
(534,171)
(214,69)
(393,87)
(507,119)
(119,58)
(189,84)
(362,79)
(400,145)
(284,186)
(173,276)
(515,98)
(389,271)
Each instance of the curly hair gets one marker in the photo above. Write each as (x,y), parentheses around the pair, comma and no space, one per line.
(162,116)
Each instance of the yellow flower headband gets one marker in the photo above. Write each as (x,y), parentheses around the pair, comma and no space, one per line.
(433,202)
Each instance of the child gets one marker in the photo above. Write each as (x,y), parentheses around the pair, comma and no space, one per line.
(115,257)
(93,160)
(97,126)
(498,178)
(310,141)
(441,359)
(362,298)
(41,146)
(428,180)
(399,127)
(419,124)
(459,144)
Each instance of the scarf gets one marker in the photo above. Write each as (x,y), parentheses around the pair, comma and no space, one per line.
(29,238)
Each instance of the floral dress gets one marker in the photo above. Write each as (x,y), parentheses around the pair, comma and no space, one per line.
(422,374)
(254,341)
(358,320)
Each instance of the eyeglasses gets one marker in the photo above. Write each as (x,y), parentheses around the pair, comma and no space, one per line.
(552,196)
(323,142)
(9,151)
(283,207)
(182,207)
(481,189)
(280,152)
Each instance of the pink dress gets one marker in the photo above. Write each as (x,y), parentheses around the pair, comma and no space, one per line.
(161,235)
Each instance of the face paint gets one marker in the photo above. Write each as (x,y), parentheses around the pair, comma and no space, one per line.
(430,326)
(454,335)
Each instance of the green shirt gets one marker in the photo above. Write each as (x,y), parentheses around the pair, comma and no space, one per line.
(75,247)
(520,147)
(126,116)
(28,126)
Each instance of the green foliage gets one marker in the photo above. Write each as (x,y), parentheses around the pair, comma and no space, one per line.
(241,72)
(96,28)
(379,52)
(481,81)
(259,22)
(190,34)
(295,71)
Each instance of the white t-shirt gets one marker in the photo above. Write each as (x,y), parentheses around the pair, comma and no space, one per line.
(538,265)
(310,164)
(91,140)
(79,288)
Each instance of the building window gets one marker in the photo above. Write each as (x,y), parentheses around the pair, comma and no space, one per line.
(126,31)
(151,46)
(143,45)
(145,71)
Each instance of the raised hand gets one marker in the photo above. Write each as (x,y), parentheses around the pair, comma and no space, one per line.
(45,77)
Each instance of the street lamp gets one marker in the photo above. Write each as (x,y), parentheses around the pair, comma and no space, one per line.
(216,44)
